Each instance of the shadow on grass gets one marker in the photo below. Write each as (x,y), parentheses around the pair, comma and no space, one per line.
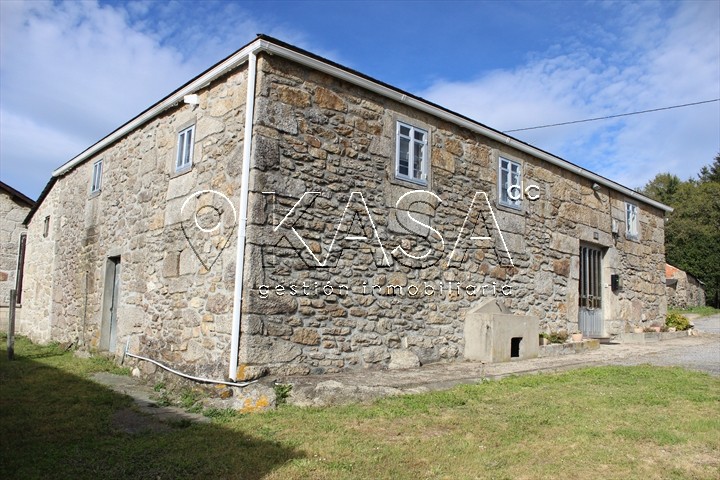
(54,424)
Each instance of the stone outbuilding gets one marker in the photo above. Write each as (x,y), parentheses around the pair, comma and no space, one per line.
(683,290)
(14,207)
(284,214)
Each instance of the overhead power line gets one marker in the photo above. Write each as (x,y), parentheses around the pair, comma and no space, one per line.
(612,116)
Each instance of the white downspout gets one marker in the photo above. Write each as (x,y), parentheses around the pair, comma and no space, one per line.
(244,192)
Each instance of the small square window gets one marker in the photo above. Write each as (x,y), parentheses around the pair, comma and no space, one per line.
(632,229)
(510,183)
(96,184)
(411,154)
(185,149)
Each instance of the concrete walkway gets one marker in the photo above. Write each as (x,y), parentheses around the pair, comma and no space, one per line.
(701,352)
(145,414)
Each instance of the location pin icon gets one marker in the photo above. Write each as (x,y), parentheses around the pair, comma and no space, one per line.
(208,222)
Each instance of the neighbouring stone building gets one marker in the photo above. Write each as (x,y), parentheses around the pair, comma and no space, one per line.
(683,290)
(14,207)
(283,214)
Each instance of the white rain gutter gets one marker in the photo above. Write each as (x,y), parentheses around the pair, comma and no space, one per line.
(178,372)
(244,193)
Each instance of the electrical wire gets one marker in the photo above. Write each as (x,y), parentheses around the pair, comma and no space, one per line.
(612,116)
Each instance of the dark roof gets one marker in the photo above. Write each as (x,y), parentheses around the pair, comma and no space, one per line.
(16,195)
(42,196)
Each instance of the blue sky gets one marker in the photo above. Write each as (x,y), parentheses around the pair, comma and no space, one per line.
(71,72)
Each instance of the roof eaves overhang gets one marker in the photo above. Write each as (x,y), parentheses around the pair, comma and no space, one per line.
(276,47)
(214,72)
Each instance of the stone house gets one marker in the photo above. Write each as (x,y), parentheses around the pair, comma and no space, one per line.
(683,290)
(283,214)
(14,207)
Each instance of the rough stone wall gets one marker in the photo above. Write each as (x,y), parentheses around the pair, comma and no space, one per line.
(38,273)
(314,133)
(367,306)
(686,292)
(171,307)
(12,214)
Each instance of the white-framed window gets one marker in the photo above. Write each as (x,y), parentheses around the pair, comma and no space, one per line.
(510,183)
(96,184)
(186,140)
(411,154)
(632,221)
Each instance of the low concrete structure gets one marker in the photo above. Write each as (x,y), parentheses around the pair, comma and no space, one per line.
(493,336)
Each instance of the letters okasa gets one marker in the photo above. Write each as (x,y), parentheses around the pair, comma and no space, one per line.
(480,212)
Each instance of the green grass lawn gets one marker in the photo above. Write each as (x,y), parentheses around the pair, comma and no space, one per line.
(596,423)
(703,311)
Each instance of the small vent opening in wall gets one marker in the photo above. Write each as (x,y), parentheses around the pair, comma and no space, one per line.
(515,347)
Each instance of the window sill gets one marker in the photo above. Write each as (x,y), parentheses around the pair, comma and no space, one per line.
(95,194)
(182,171)
(409,183)
(519,210)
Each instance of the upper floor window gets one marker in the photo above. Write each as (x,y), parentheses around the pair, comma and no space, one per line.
(186,139)
(510,183)
(46,226)
(96,184)
(411,153)
(631,221)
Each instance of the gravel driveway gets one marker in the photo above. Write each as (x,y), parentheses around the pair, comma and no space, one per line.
(697,356)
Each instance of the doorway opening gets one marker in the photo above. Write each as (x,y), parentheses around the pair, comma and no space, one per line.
(111,296)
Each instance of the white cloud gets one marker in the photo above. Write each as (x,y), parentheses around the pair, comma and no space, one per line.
(72,72)
(650,61)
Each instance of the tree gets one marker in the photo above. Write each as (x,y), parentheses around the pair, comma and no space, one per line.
(692,234)
(692,231)
(711,173)
(662,188)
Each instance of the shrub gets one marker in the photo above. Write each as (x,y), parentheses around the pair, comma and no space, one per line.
(282,392)
(678,321)
(558,337)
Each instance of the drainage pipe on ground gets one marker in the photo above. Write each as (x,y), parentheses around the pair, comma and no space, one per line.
(179,373)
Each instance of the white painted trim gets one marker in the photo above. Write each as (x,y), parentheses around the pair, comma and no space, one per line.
(96,181)
(180,149)
(511,161)
(424,177)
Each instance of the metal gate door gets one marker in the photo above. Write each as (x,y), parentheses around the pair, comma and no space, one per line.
(590,319)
